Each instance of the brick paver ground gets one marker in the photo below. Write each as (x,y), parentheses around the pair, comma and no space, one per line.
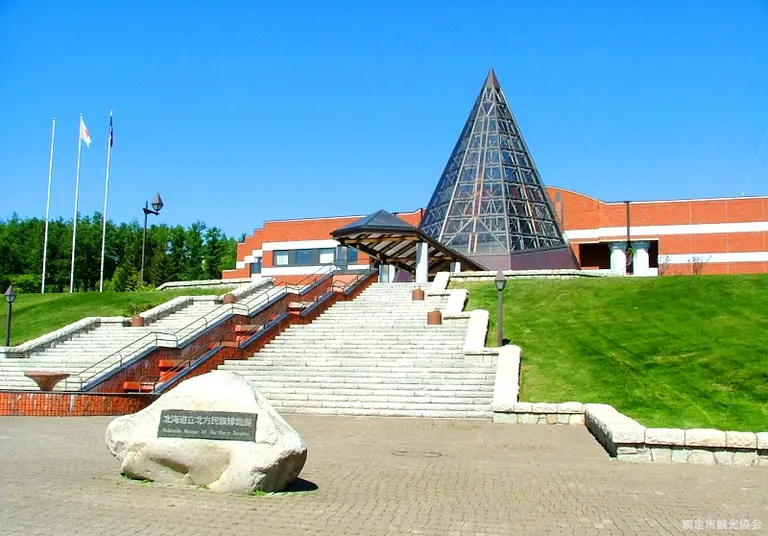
(377,477)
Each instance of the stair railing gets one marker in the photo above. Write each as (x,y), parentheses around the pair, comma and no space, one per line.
(266,322)
(200,324)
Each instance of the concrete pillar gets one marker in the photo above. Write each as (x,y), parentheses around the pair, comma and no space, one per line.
(618,257)
(386,273)
(641,261)
(422,263)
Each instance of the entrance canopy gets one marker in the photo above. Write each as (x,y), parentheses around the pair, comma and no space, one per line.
(392,241)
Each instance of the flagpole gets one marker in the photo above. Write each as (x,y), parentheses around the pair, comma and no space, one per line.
(104,216)
(77,191)
(48,205)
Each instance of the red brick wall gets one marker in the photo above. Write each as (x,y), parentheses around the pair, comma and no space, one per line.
(295,230)
(55,404)
(149,365)
(581,212)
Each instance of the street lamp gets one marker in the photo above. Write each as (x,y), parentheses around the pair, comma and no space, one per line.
(157,204)
(10,296)
(501,282)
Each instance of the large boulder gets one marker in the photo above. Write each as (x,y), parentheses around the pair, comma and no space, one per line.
(270,463)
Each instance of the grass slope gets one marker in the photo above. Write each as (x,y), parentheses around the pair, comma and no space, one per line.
(37,314)
(669,351)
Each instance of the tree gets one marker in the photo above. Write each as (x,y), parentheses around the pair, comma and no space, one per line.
(215,249)
(194,242)
(172,253)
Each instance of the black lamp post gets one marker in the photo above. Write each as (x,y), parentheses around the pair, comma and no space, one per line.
(501,282)
(157,204)
(10,296)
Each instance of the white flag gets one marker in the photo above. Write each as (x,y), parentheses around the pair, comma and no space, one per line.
(84,134)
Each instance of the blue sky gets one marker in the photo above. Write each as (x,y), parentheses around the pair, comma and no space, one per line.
(240,112)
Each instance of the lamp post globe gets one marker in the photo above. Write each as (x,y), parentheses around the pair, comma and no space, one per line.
(157,204)
(500,281)
(10,297)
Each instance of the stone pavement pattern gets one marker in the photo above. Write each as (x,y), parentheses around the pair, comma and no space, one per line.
(375,476)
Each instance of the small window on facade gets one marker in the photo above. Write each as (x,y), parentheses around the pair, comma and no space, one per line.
(256,266)
(306,257)
(327,255)
(281,258)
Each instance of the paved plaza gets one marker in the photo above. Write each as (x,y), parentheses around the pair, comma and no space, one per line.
(374,476)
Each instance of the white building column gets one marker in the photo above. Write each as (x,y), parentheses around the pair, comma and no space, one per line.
(455,267)
(641,264)
(386,273)
(618,257)
(422,263)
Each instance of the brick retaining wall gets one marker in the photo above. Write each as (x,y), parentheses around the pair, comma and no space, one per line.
(57,404)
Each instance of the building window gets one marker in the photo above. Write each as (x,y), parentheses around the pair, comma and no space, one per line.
(256,266)
(306,257)
(351,255)
(282,258)
(327,256)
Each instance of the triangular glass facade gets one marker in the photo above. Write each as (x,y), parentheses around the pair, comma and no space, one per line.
(490,198)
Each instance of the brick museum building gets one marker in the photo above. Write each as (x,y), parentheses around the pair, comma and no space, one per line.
(491,206)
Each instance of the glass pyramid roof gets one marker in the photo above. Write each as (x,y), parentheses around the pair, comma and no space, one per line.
(490,198)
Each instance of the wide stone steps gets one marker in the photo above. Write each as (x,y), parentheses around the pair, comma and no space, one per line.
(372,388)
(350,371)
(373,356)
(349,344)
(301,408)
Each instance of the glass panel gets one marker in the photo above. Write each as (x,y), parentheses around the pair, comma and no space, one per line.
(327,256)
(490,160)
(256,266)
(306,257)
(281,258)
(468,174)
(493,173)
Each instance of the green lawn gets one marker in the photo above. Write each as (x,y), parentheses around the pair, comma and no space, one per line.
(668,351)
(37,314)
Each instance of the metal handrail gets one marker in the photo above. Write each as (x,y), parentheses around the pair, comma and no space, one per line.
(248,335)
(221,311)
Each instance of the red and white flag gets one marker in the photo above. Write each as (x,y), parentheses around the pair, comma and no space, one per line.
(84,134)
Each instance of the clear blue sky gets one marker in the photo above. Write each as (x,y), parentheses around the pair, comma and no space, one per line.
(239,111)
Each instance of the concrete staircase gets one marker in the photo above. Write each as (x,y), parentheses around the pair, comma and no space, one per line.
(373,356)
(76,354)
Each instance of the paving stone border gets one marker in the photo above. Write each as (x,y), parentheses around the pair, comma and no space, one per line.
(568,413)
(627,440)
